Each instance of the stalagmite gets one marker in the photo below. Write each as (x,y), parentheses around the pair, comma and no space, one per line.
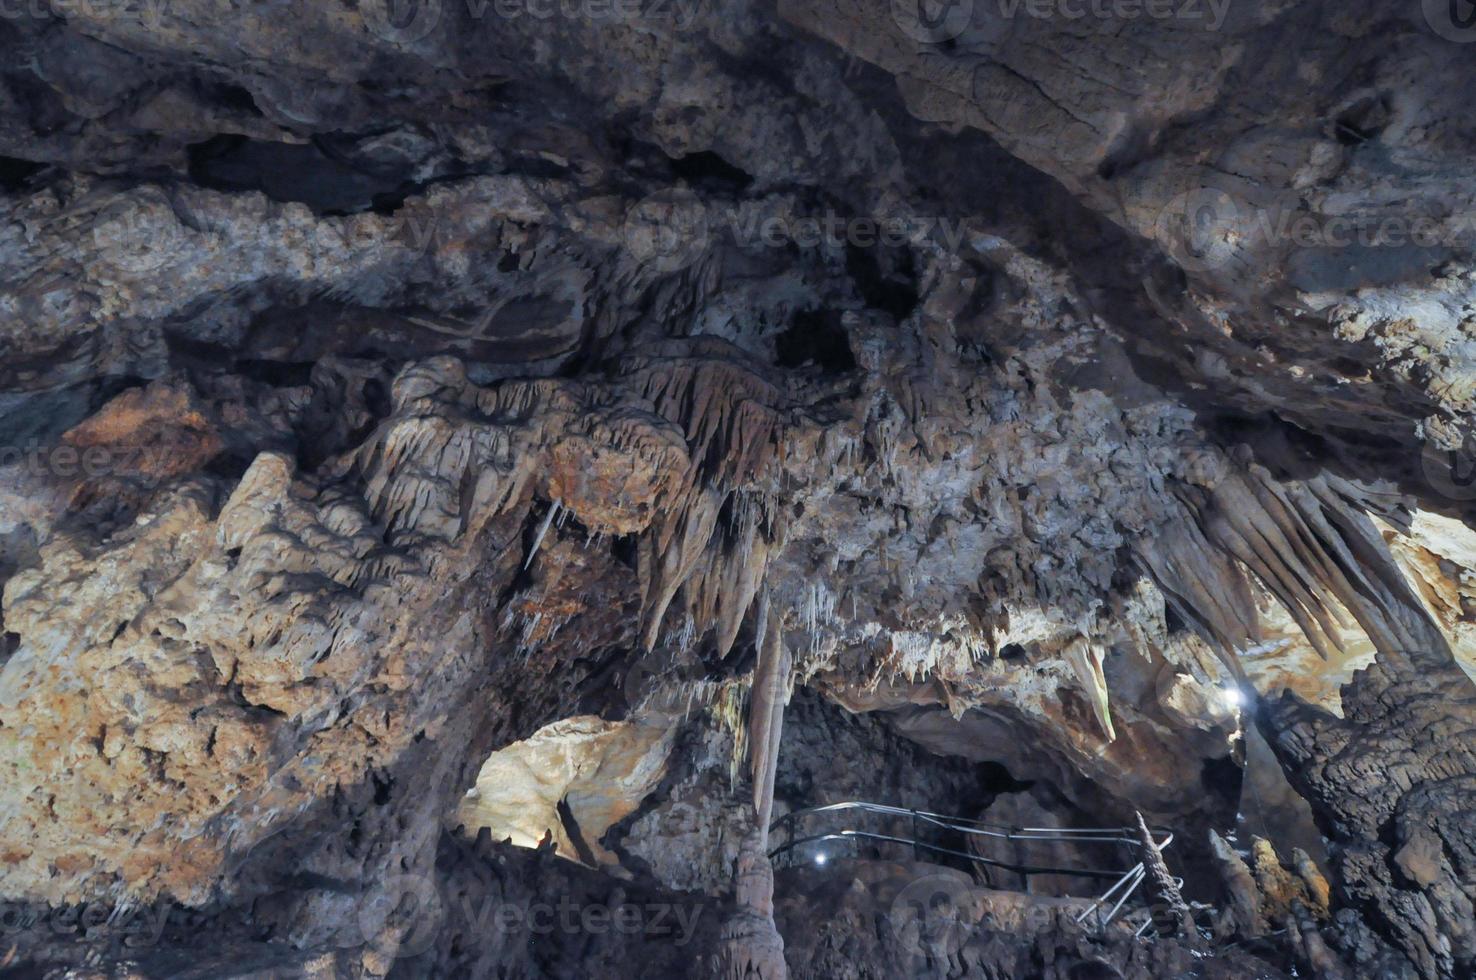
(751,947)
(1319,892)
(1278,887)
(1321,961)
(557,398)
(1240,887)
(1170,912)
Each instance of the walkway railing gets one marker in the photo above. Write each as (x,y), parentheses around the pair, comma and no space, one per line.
(1106,907)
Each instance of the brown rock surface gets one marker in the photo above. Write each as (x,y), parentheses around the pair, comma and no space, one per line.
(396,392)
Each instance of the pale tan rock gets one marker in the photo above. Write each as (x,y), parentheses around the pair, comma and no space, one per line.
(600,770)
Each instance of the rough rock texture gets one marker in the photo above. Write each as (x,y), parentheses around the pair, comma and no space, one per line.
(1019,397)
(875,919)
(484,910)
(1393,783)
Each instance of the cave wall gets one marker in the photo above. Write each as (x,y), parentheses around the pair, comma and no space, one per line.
(381,390)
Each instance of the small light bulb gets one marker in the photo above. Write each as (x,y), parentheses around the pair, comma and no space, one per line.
(1234,697)
(819,858)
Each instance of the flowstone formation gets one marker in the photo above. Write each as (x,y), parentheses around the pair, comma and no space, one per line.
(486,489)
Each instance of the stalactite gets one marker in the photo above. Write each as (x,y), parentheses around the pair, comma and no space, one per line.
(1085,659)
(1202,585)
(766,716)
(669,556)
(726,409)
(1309,542)
(553,512)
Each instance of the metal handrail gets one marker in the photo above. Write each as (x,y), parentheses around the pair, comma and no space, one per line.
(1024,869)
(1108,835)
(1125,883)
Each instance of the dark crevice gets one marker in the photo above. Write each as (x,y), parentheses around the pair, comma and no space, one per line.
(624,550)
(895,289)
(1222,778)
(285,172)
(1361,122)
(320,174)
(710,172)
(575,835)
(14,173)
(277,374)
(236,98)
(815,337)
